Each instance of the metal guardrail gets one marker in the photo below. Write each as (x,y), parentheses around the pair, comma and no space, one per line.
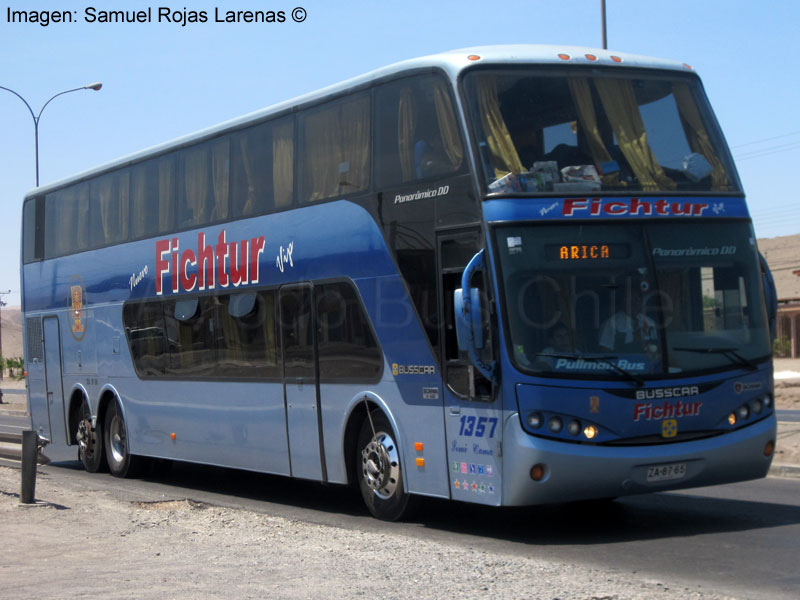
(11,450)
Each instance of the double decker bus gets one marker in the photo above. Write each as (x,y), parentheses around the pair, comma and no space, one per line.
(503,275)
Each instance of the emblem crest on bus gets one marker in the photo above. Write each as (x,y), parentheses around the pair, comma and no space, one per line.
(669,428)
(594,404)
(78,310)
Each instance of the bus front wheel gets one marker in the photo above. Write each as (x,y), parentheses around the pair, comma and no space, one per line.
(120,461)
(378,465)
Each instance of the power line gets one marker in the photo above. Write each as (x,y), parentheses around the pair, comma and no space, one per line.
(767,151)
(769,139)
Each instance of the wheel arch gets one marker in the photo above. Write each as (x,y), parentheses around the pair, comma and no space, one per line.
(108,395)
(360,404)
(77,397)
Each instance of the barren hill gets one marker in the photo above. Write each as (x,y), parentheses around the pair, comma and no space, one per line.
(11,332)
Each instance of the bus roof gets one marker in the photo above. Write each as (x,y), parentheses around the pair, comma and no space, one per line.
(452,62)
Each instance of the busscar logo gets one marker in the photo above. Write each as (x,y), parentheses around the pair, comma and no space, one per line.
(413,369)
(673,392)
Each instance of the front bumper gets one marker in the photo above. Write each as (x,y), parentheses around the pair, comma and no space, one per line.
(581,472)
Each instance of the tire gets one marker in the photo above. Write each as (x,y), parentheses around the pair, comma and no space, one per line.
(121,462)
(90,441)
(379,471)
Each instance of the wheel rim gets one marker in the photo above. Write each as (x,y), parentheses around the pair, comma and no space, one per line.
(86,438)
(380,465)
(117,437)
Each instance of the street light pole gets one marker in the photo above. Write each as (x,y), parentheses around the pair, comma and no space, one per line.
(603,23)
(91,86)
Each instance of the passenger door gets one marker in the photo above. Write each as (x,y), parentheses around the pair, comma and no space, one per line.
(473,417)
(301,382)
(53,386)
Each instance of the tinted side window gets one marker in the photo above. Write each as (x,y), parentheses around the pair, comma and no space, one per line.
(204,183)
(335,157)
(262,168)
(33,230)
(346,344)
(152,197)
(67,221)
(204,337)
(417,133)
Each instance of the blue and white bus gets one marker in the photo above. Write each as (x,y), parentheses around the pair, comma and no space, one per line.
(504,275)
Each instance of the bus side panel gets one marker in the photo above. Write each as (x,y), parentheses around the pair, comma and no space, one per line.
(414,397)
(241,425)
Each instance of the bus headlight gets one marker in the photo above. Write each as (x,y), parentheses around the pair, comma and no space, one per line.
(555,424)
(743,412)
(757,406)
(590,432)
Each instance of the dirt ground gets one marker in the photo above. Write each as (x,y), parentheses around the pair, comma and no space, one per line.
(79,542)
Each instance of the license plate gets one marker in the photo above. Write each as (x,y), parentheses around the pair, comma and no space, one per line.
(666,472)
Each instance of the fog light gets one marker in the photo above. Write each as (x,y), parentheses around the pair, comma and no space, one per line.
(767,400)
(574,427)
(743,412)
(537,472)
(590,432)
(535,420)
(769,448)
(555,424)
(757,406)
(732,419)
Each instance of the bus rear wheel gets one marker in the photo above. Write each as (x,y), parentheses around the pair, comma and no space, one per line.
(121,462)
(380,476)
(90,441)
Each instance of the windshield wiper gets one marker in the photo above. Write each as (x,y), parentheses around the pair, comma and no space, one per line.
(732,354)
(606,360)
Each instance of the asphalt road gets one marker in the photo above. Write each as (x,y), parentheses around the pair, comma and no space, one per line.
(741,539)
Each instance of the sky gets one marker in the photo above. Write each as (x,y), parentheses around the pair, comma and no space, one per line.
(163,80)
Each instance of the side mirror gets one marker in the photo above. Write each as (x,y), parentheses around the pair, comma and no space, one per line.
(469,316)
(770,296)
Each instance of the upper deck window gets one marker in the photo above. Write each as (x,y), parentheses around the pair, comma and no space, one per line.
(417,135)
(558,132)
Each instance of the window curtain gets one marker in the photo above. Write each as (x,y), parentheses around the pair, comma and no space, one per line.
(320,144)
(448,125)
(140,208)
(109,219)
(195,173)
(124,197)
(619,103)
(699,140)
(582,97)
(354,149)
(221,177)
(406,125)
(503,153)
(166,194)
(283,163)
(249,173)
(336,147)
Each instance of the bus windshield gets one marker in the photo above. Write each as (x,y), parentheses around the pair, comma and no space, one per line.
(629,300)
(552,131)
